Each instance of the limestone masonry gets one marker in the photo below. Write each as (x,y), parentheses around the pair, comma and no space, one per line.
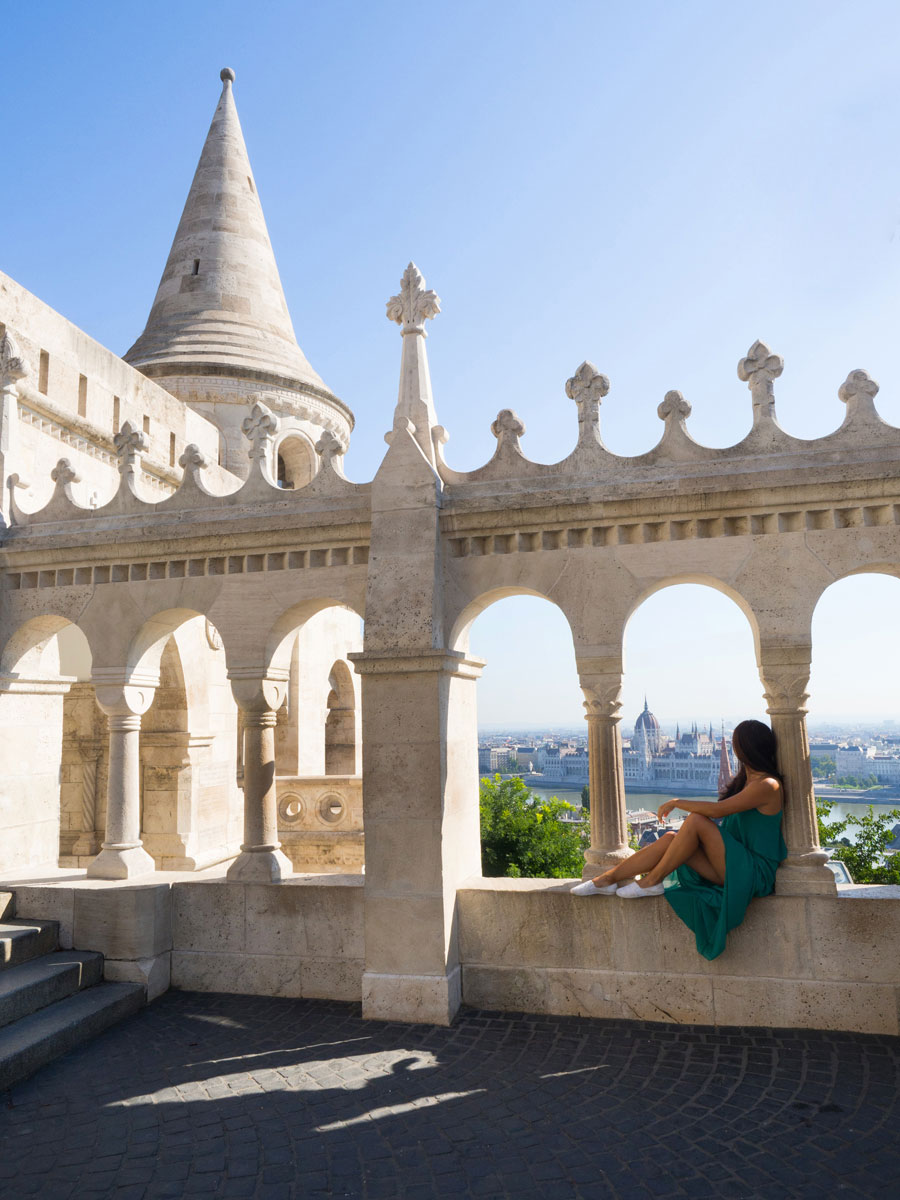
(200,751)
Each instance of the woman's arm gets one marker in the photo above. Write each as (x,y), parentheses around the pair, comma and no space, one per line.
(754,795)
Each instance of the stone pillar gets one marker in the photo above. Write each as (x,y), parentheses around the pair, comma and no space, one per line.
(784,672)
(420,797)
(261,860)
(123,855)
(609,825)
(14,367)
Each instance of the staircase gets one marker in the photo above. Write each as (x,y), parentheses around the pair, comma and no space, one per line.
(51,1000)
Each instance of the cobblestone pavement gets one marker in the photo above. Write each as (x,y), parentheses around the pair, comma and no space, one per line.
(272,1098)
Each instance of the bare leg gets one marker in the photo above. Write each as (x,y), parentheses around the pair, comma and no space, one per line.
(697,834)
(637,863)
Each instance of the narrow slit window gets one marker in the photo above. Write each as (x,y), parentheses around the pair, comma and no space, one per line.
(147,425)
(250,181)
(44,373)
(116,413)
(171,449)
(196,270)
(82,395)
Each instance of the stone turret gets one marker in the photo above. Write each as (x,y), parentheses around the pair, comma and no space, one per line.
(219,335)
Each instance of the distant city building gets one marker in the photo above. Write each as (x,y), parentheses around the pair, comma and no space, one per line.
(861,761)
(692,761)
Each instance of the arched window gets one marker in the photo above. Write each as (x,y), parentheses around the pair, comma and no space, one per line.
(295,465)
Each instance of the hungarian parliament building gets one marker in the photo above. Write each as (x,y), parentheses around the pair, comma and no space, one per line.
(691,762)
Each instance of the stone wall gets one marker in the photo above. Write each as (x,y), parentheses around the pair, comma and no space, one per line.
(808,962)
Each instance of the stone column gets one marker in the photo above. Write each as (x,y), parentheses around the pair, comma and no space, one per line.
(122,855)
(784,672)
(261,860)
(420,798)
(609,826)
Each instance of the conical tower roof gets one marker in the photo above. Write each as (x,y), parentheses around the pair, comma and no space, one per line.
(220,308)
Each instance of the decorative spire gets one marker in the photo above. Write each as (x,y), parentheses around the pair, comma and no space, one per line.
(220,302)
(858,392)
(725,772)
(410,309)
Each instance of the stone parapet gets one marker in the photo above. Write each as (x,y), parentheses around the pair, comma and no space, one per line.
(796,961)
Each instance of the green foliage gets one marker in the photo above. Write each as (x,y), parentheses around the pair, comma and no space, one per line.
(857,782)
(866,859)
(586,798)
(524,836)
(824,765)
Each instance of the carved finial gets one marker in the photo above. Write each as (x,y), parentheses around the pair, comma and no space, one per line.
(328,447)
(260,428)
(193,457)
(674,405)
(64,473)
(13,363)
(587,387)
(758,370)
(226,75)
(413,305)
(508,427)
(858,392)
(129,443)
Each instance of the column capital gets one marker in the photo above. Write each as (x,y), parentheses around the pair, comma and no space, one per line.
(123,694)
(404,662)
(258,690)
(602,694)
(784,672)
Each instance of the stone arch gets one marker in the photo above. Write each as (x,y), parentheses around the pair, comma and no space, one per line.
(700,580)
(340,724)
(34,651)
(191,805)
(851,641)
(52,750)
(462,625)
(295,460)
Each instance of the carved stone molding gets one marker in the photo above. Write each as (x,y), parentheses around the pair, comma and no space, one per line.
(507,428)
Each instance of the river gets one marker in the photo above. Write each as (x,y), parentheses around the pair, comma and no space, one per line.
(652,800)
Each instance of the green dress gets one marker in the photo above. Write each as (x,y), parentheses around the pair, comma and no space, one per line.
(753,849)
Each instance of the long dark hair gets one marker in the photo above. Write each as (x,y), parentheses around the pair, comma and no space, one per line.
(754,746)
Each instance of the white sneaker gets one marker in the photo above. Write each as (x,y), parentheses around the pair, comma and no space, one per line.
(588,888)
(633,891)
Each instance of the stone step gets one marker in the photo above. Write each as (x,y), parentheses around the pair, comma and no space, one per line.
(7,905)
(33,985)
(24,940)
(35,1040)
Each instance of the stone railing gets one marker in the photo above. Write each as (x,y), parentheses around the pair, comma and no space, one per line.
(320,822)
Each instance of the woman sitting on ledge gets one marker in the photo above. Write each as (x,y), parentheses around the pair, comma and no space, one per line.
(718,868)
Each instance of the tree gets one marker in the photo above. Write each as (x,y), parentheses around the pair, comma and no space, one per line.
(524,836)
(824,764)
(866,858)
(586,798)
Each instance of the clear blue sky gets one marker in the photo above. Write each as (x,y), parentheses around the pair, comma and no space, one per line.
(648,185)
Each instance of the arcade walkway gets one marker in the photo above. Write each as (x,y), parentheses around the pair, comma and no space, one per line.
(223,1096)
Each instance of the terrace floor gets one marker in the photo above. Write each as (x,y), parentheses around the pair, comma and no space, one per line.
(219,1095)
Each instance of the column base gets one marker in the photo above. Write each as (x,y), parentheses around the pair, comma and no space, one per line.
(806,875)
(121,862)
(596,861)
(418,999)
(266,865)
